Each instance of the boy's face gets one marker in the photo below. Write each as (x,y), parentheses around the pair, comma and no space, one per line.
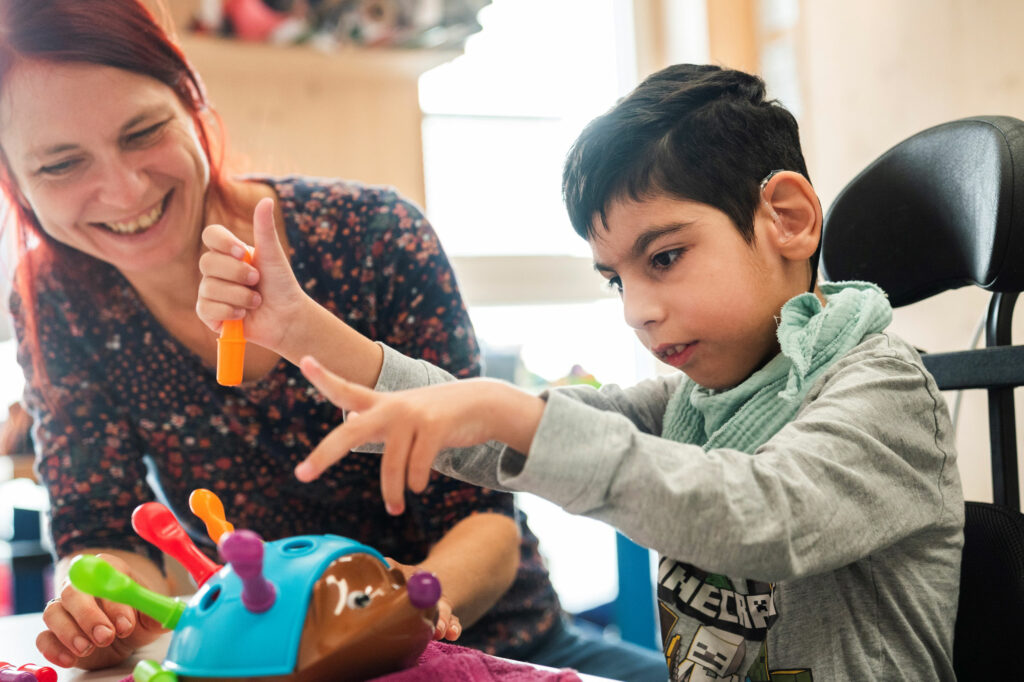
(699,297)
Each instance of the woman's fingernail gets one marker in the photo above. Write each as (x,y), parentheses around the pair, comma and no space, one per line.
(65,660)
(124,626)
(82,645)
(101,634)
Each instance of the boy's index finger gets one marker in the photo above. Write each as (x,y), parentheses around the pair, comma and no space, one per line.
(344,394)
(335,446)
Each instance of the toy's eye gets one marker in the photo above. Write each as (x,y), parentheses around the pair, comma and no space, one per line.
(358,600)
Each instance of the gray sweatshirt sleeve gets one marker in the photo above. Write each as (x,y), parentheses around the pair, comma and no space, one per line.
(867,461)
(643,404)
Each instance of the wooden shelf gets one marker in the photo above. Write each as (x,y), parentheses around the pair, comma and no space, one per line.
(16,466)
(353,113)
(347,62)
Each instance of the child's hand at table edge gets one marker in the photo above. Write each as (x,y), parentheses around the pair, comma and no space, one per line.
(265,294)
(416,424)
(448,625)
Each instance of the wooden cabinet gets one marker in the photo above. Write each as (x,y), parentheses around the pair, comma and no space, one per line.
(353,113)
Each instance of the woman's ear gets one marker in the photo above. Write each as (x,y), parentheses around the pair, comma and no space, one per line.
(795,213)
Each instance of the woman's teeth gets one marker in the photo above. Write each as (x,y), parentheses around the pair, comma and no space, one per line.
(141,223)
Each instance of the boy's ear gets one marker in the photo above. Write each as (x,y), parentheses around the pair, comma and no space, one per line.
(792,206)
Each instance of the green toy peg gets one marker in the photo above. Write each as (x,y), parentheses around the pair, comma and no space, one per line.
(151,671)
(94,576)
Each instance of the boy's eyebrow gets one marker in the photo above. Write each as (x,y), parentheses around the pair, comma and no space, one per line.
(644,240)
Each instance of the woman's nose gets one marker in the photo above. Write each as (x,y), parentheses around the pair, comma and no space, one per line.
(122,185)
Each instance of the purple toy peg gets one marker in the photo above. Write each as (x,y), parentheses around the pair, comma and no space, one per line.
(12,675)
(42,673)
(424,589)
(243,549)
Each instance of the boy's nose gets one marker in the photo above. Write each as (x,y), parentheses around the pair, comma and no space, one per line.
(640,307)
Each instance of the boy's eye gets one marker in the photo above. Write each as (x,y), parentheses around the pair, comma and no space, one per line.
(666,258)
(615,284)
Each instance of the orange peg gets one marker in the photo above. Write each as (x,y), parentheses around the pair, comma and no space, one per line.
(231,347)
(206,505)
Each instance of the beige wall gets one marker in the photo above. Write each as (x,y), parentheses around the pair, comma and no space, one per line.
(876,71)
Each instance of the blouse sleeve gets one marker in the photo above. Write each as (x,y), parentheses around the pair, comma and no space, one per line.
(86,455)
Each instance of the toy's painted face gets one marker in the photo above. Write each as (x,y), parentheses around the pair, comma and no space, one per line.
(360,622)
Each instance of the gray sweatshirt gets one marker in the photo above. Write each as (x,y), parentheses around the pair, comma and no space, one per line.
(846,525)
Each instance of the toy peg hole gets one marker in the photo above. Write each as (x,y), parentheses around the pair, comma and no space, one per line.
(297,547)
(209,599)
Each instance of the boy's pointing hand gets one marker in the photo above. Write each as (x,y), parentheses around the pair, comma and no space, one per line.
(415,425)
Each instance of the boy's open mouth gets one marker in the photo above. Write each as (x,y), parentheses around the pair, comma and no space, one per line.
(142,222)
(675,352)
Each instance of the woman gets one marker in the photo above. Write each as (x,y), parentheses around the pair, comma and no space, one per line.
(111,162)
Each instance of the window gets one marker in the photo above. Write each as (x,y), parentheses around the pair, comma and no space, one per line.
(498,122)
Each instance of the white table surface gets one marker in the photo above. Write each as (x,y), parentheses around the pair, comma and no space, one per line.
(18,646)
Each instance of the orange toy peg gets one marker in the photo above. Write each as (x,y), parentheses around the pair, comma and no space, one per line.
(231,346)
(206,505)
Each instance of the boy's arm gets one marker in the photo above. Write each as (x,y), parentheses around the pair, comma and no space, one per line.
(277,313)
(868,461)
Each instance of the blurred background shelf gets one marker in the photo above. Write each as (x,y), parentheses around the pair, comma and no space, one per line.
(352,113)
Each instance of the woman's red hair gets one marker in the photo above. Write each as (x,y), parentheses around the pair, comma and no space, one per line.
(120,33)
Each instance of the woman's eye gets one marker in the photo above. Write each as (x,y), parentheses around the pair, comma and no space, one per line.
(60,168)
(666,258)
(358,600)
(146,133)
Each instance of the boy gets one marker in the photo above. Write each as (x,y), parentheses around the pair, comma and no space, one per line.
(797,476)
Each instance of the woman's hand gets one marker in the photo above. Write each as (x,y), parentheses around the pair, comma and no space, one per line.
(93,633)
(415,425)
(448,625)
(265,293)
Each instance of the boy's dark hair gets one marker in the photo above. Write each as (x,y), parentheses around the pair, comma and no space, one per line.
(694,132)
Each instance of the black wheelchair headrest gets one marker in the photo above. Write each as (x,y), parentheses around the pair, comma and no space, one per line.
(941,210)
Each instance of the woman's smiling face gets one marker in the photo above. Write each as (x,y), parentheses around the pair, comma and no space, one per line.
(108,160)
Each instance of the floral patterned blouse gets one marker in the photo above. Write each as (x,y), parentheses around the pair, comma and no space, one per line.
(130,391)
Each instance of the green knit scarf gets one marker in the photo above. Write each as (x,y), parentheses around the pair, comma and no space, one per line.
(811,338)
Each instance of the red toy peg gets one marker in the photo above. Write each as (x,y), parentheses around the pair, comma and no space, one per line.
(42,673)
(156,524)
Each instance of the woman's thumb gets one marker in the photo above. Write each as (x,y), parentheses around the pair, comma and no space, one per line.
(265,238)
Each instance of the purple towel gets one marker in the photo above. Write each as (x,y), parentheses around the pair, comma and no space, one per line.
(442,661)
